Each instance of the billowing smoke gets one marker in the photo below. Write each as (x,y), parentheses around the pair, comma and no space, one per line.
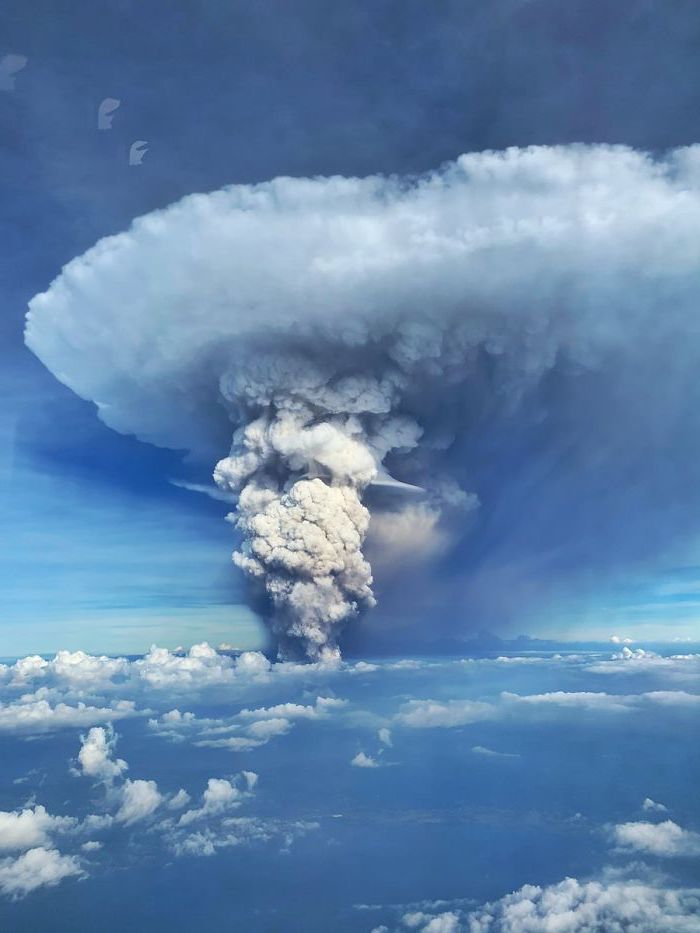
(349,331)
(312,438)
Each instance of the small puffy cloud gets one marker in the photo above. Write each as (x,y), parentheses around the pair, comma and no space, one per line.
(384,736)
(176,717)
(414,919)
(364,667)
(252,664)
(265,729)
(251,779)
(281,710)
(95,823)
(448,922)
(177,726)
(652,805)
(326,704)
(666,839)
(220,795)
(321,708)
(443,923)
(139,799)
(201,843)
(96,755)
(39,867)
(30,828)
(179,800)
(430,714)
(361,760)
(635,654)
(92,845)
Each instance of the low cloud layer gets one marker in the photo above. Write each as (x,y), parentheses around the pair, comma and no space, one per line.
(615,901)
(201,770)
(451,714)
(577,907)
(313,337)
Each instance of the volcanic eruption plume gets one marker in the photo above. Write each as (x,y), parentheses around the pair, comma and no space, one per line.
(311,440)
(345,331)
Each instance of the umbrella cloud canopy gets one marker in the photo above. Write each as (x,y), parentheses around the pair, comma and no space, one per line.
(343,329)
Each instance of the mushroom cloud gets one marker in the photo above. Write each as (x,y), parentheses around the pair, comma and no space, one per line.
(337,328)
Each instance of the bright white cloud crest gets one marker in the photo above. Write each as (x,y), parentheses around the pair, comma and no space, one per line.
(328,322)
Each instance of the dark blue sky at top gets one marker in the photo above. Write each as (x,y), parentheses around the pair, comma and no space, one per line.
(238,92)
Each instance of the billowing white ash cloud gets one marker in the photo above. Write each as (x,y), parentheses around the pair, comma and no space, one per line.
(345,329)
(312,438)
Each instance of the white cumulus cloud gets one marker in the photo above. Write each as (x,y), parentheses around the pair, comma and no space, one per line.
(666,839)
(219,795)
(649,804)
(36,868)
(35,714)
(30,828)
(139,799)
(362,760)
(96,755)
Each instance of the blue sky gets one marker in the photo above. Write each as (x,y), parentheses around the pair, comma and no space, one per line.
(99,550)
